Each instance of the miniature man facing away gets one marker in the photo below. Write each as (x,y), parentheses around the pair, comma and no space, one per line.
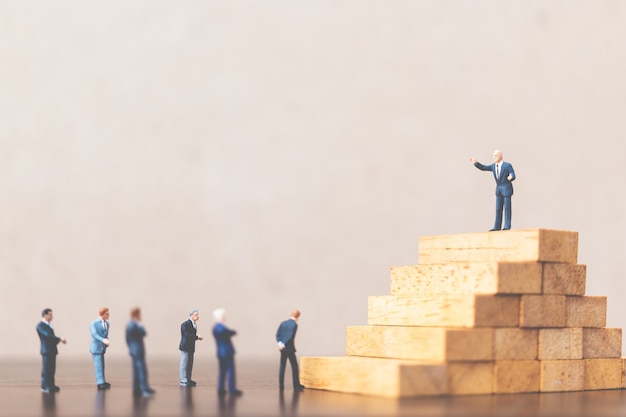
(135,332)
(49,351)
(187,347)
(504,175)
(99,329)
(225,354)
(286,336)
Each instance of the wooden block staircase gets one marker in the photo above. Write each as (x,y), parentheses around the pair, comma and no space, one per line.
(481,313)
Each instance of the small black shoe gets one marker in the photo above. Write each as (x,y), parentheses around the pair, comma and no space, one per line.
(494,230)
(236,393)
(107,385)
(192,383)
(299,388)
(55,389)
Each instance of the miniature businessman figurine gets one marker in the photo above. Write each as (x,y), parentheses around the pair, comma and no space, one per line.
(135,332)
(225,354)
(504,175)
(187,347)
(49,351)
(99,329)
(286,336)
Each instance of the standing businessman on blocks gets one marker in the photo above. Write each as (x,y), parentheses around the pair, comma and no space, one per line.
(286,337)
(504,175)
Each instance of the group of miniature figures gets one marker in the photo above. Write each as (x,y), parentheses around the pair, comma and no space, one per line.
(135,333)
(503,174)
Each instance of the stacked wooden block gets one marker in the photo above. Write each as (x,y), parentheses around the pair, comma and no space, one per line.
(494,312)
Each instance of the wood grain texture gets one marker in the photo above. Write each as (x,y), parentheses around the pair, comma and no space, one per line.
(565,279)
(444,310)
(515,343)
(565,343)
(586,311)
(520,245)
(603,373)
(602,343)
(420,343)
(373,376)
(542,311)
(516,376)
(562,375)
(467,278)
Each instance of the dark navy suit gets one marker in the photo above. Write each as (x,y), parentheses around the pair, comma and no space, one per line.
(135,332)
(49,351)
(226,356)
(286,334)
(504,191)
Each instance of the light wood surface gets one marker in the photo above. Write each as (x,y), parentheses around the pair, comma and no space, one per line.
(602,343)
(524,245)
(420,343)
(542,311)
(445,310)
(481,313)
(586,311)
(467,278)
(568,279)
(566,343)
(562,375)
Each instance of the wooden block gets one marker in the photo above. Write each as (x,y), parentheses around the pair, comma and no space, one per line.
(542,311)
(564,279)
(470,378)
(515,343)
(602,343)
(420,343)
(520,245)
(468,278)
(373,376)
(603,373)
(562,375)
(444,310)
(586,311)
(394,378)
(565,343)
(516,376)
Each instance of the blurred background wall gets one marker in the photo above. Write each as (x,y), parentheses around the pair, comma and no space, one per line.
(263,156)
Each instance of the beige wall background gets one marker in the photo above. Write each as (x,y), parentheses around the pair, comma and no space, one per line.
(261,156)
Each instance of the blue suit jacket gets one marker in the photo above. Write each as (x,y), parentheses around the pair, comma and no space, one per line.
(188,337)
(49,340)
(135,333)
(504,187)
(222,336)
(98,333)
(286,333)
